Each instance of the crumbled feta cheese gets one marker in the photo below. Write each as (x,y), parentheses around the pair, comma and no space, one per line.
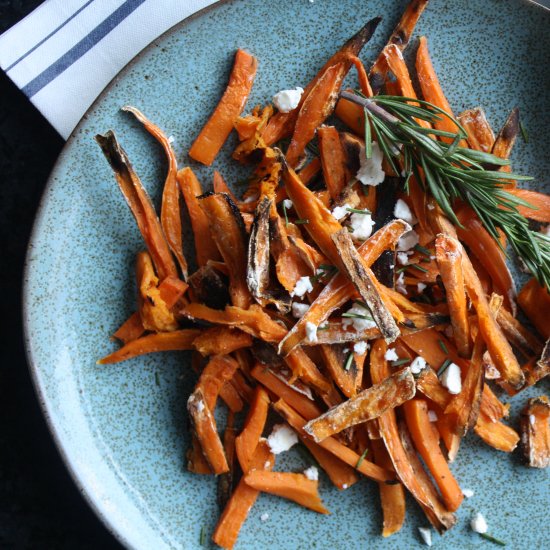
(391,355)
(299,310)
(171,139)
(302,286)
(287,100)
(426,535)
(267,464)
(451,379)
(468,493)
(478,524)
(407,241)
(200,406)
(312,473)
(431,206)
(400,284)
(360,348)
(340,212)
(532,419)
(402,211)
(370,170)
(344,485)
(264,516)
(362,225)
(287,203)
(311,332)
(282,438)
(421,287)
(432,416)
(358,323)
(403,258)
(418,364)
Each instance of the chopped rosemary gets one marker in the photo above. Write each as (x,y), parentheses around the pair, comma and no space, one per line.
(327,267)
(349,360)
(422,250)
(301,222)
(426,260)
(400,362)
(401,269)
(450,172)
(443,346)
(202,536)
(357,316)
(444,366)
(492,539)
(362,457)
(358,211)
(418,267)
(524,133)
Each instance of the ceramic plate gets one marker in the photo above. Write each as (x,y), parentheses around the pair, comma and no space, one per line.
(122,429)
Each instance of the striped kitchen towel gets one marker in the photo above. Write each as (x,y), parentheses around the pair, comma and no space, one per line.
(65,52)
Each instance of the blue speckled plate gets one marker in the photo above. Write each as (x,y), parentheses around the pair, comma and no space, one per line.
(122,429)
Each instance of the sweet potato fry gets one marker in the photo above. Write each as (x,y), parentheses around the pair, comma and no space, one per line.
(140,204)
(539,201)
(170,217)
(522,339)
(504,142)
(247,441)
(214,133)
(241,501)
(220,186)
(151,343)
(496,434)
(190,187)
(426,441)
(480,134)
(221,341)
(332,160)
(449,261)
(367,405)
(534,300)
(348,377)
(227,230)
(130,330)
(226,481)
(352,115)
(535,432)
(295,487)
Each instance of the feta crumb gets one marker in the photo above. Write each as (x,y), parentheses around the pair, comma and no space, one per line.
(532,419)
(370,170)
(403,258)
(468,493)
(391,355)
(418,364)
(451,379)
(311,331)
(478,524)
(171,139)
(287,203)
(200,406)
(358,323)
(287,100)
(299,310)
(407,241)
(421,287)
(264,516)
(282,438)
(432,416)
(340,212)
(302,286)
(431,206)
(402,211)
(312,473)
(362,225)
(400,284)
(426,535)
(266,464)
(344,485)
(360,348)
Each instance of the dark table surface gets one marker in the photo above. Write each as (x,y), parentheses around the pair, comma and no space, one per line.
(40,507)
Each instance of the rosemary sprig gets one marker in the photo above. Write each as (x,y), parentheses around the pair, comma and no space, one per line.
(399,362)
(349,360)
(362,457)
(443,346)
(492,539)
(358,211)
(418,267)
(422,250)
(449,172)
(444,367)
(357,316)
(301,222)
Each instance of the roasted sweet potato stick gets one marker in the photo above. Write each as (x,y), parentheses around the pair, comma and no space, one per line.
(518,335)
(534,300)
(281,125)
(205,247)
(220,186)
(170,217)
(332,160)
(504,142)
(247,441)
(214,133)
(367,405)
(426,441)
(221,341)
(241,501)
(535,432)
(496,434)
(227,230)
(449,261)
(131,329)
(539,201)
(344,453)
(140,204)
(226,481)
(480,134)
(161,341)
(295,487)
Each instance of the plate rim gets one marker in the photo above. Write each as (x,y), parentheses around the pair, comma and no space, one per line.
(89,496)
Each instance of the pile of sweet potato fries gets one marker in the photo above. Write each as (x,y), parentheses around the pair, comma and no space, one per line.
(288,310)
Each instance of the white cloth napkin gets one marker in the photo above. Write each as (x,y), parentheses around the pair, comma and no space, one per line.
(65,52)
